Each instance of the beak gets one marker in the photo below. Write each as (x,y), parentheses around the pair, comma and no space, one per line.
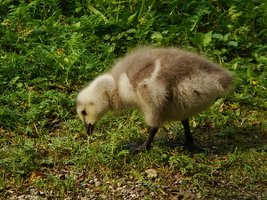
(89,128)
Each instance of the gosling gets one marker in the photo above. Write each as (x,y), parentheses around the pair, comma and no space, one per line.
(163,83)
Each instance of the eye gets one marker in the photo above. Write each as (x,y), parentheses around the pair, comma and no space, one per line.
(84,112)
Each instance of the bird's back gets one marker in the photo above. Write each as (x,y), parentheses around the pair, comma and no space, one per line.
(175,66)
(170,81)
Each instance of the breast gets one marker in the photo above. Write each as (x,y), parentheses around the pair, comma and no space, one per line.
(126,90)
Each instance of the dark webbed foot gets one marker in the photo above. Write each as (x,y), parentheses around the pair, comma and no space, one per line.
(194,148)
(200,149)
(135,148)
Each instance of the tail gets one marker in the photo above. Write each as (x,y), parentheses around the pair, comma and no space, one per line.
(227,83)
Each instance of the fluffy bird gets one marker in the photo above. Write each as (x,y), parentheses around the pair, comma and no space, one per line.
(163,83)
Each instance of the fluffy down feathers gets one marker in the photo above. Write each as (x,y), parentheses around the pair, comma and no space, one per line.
(163,83)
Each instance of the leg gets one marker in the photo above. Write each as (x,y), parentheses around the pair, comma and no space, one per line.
(150,138)
(147,144)
(189,140)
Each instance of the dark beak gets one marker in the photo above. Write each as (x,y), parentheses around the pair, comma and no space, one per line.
(89,128)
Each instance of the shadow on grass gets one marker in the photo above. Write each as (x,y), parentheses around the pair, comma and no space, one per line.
(221,140)
(228,139)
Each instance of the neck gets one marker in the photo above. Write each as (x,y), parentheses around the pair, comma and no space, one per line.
(111,89)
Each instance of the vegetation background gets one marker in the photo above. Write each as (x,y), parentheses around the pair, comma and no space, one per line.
(49,49)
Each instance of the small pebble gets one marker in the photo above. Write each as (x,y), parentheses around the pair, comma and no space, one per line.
(151,173)
(119,184)
(97,183)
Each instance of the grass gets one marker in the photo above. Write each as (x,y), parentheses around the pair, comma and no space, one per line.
(66,162)
(49,51)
